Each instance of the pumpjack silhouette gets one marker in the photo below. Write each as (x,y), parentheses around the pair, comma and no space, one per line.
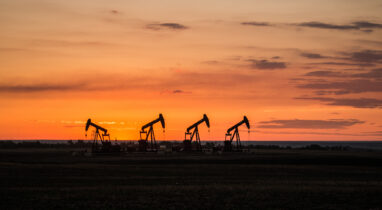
(144,144)
(230,137)
(188,136)
(104,137)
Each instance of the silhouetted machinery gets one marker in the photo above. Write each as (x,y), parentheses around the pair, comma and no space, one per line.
(188,136)
(228,141)
(104,137)
(143,142)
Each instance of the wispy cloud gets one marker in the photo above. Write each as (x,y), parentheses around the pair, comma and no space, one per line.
(361,25)
(320,133)
(171,26)
(366,56)
(345,87)
(343,64)
(372,74)
(254,23)
(310,124)
(315,24)
(173,83)
(325,74)
(313,55)
(267,65)
(115,12)
(39,88)
(365,26)
(352,102)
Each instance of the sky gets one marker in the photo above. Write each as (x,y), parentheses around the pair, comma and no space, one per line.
(298,69)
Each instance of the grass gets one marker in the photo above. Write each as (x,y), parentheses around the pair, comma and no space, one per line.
(269,179)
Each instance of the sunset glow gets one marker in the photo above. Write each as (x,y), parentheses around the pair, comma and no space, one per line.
(299,70)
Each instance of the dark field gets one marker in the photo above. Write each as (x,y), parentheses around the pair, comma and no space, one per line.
(269,179)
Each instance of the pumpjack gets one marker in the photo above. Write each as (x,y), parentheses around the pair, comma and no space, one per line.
(143,142)
(188,136)
(230,137)
(104,137)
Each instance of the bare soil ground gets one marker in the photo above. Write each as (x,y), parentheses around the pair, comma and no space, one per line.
(268,179)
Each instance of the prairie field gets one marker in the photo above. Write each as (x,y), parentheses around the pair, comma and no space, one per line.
(268,179)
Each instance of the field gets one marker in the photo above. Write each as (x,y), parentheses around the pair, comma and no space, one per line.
(269,179)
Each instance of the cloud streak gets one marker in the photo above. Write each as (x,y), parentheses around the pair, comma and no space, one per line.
(373,74)
(267,65)
(344,64)
(310,124)
(366,56)
(325,74)
(365,26)
(173,83)
(315,24)
(345,87)
(313,55)
(39,88)
(361,25)
(352,102)
(254,23)
(170,26)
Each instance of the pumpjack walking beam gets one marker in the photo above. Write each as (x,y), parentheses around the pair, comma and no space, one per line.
(98,135)
(195,133)
(143,142)
(231,137)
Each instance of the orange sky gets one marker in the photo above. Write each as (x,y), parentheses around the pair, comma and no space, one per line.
(299,70)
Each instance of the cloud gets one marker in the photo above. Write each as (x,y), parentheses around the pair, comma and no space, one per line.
(172,26)
(107,123)
(171,84)
(366,56)
(345,87)
(370,42)
(315,24)
(375,133)
(324,74)
(114,12)
(357,25)
(310,124)
(267,65)
(7,49)
(253,23)
(363,26)
(366,24)
(211,62)
(178,91)
(71,44)
(373,74)
(344,64)
(320,133)
(312,55)
(352,102)
(38,88)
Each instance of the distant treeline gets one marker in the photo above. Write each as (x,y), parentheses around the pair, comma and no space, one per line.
(308,147)
(88,144)
(38,144)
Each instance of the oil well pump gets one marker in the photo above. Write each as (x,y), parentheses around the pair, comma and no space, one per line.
(102,135)
(188,136)
(143,142)
(230,137)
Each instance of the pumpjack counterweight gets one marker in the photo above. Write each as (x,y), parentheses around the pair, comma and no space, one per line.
(145,136)
(230,137)
(189,136)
